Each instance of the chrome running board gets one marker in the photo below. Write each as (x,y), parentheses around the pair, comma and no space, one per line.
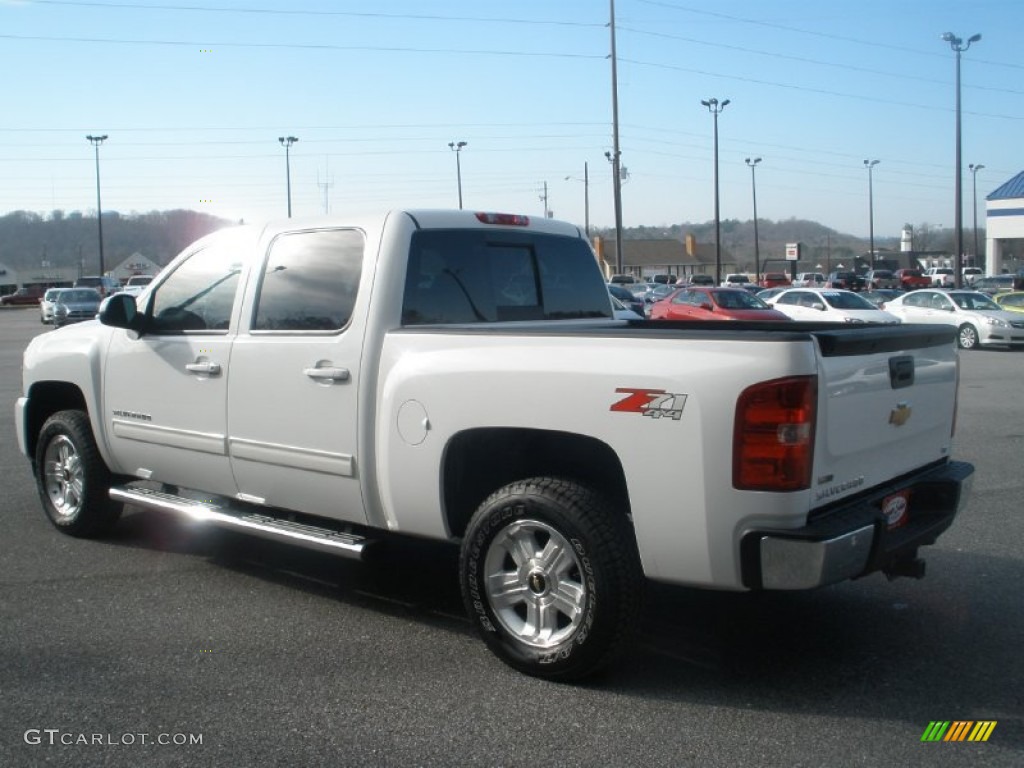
(232,516)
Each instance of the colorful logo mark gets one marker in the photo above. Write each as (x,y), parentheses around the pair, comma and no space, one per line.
(959,730)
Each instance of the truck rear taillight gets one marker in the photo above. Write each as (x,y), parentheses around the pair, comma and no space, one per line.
(773,438)
(508,219)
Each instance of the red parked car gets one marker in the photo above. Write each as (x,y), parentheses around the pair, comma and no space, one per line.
(775,280)
(23,297)
(699,303)
(912,278)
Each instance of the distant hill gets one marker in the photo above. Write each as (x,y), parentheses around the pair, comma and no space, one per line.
(820,243)
(66,239)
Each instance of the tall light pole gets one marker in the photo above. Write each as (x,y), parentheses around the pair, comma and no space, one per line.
(974,168)
(615,157)
(757,243)
(586,197)
(870,164)
(715,107)
(456,147)
(286,142)
(96,141)
(958,45)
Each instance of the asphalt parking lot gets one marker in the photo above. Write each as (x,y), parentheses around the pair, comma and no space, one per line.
(239,652)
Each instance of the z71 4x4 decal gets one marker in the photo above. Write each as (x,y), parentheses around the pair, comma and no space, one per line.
(656,403)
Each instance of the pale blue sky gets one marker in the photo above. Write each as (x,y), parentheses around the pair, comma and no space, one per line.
(194,93)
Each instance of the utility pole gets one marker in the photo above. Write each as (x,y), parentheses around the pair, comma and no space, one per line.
(870,164)
(286,142)
(958,45)
(715,107)
(324,187)
(456,147)
(544,199)
(752,162)
(96,141)
(616,154)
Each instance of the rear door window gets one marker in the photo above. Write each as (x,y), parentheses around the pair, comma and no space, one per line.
(309,281)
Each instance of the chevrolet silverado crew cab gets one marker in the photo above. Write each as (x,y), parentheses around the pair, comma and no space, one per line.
(459,376)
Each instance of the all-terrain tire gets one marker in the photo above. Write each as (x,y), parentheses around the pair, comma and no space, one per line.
(551,577)
(72,479)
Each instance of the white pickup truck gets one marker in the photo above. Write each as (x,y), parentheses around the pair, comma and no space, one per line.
(459,376)
(941,277)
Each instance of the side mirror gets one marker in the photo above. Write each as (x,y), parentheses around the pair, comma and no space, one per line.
(708,306)
(818,306)
(119,311)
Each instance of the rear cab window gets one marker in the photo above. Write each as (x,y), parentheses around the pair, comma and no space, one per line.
(478,276)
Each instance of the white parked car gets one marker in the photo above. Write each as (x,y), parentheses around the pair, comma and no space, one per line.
(978,319)
(136,283)
(970,274)
(47,304)
(737,280)
(830,305)
(809,280)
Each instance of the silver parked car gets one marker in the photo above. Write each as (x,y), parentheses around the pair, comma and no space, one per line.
(74,305)
(978,319)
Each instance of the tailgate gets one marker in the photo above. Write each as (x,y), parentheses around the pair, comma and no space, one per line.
(886,399)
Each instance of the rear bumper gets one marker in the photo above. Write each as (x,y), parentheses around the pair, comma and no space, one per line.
(854,538)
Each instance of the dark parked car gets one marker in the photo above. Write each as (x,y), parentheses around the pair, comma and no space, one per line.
(105,285)
(880,296)
(74,305)
(881,278)
(849,281)
(626,296)
(998,284)
(696,280)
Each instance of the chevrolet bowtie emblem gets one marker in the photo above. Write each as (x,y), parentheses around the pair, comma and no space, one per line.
(900,415)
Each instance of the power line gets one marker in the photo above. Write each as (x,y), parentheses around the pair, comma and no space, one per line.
(352,14)
(814,33)
(819,91)
(304,46)
(816,62)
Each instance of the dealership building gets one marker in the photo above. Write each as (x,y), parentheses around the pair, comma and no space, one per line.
(1004,226)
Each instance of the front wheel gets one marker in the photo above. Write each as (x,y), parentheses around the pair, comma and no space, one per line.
(551,576)
(72,479)
(967,336)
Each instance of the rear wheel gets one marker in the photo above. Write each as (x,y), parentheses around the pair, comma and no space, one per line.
(72,479)
(967,336)
(551,576)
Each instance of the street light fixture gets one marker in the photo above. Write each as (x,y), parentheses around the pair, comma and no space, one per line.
(958,45)
(586,197)
(96,141)
(870,164)
(715,107)
(757,247)
(286,142)
(974,168)
(456,147)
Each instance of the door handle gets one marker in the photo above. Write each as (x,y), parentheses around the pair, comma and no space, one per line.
(211,369)
(327,373)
